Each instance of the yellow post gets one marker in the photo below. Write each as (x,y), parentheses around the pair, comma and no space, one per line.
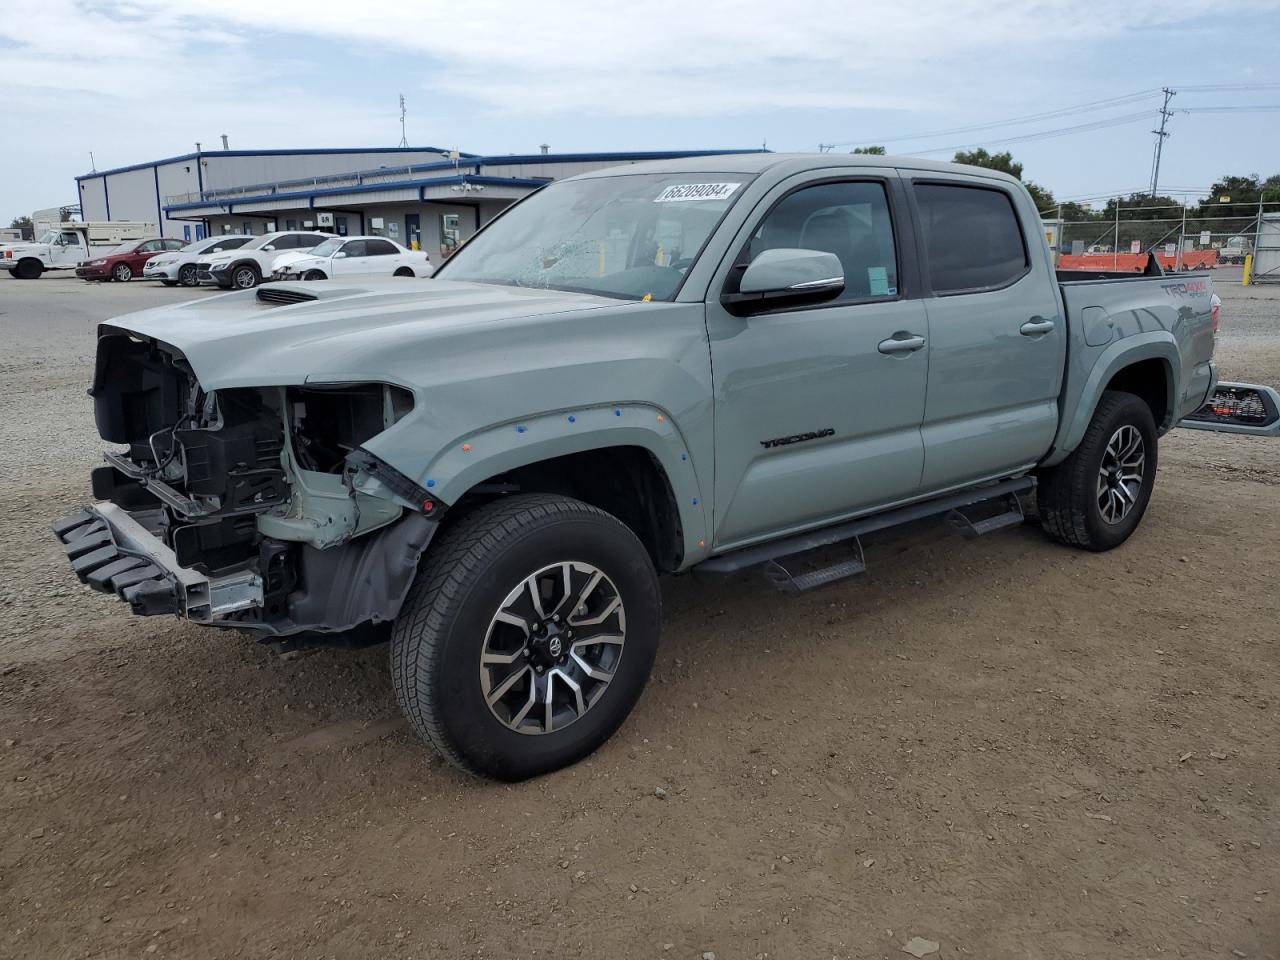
(1248,269)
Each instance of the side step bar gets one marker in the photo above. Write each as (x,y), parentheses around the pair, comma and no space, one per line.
(773,555)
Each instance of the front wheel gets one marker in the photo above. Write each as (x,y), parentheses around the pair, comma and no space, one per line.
(527,637)
(122,272)
(187,275)
(1096,497)
(245,277)
(314,275)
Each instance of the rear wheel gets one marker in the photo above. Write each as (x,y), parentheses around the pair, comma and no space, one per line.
(1096,498)
(187,275)
(122,272)
(245,277)
(403,272)
(527,637)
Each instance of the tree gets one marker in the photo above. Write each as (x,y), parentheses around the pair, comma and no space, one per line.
(25,225)
(1005,163)
(874,151)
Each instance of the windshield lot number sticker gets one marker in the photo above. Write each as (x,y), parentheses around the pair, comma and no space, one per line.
(678,192)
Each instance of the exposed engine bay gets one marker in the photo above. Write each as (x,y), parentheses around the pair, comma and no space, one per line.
(260,497)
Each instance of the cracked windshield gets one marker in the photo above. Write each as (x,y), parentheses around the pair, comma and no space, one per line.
(631,237)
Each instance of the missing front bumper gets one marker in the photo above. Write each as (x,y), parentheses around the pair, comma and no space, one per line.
(113,553)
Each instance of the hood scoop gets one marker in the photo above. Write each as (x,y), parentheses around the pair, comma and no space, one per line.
(280,295)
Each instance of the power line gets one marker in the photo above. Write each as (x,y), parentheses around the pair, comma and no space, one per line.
(1108,103)
(1046,134)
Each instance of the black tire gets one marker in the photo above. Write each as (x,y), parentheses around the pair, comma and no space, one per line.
(187,275)
(314,275)
(403,272)
(244,276)
(29,269)
(1068,498)
(122,273)
(465,580)
(13,272)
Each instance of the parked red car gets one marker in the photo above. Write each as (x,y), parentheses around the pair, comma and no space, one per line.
(125,261)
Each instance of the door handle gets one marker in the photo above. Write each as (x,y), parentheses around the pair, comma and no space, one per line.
(907,344)
(1035,326)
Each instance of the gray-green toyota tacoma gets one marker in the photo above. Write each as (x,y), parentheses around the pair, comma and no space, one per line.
(707,365)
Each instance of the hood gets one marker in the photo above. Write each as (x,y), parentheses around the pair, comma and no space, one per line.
(340,331)
(23,246)
(290,256)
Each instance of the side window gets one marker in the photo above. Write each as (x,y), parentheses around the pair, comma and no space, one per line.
(850,220)
(173,244)
(69,240)
(971,236)
(309,240)
(380,248)
(151,246)
(354,248)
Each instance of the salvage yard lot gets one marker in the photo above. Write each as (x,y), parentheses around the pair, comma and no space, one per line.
(1007,747)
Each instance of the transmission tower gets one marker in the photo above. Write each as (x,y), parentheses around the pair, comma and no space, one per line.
(404,140)
(1165,114)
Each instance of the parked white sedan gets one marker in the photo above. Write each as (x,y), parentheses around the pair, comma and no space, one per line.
(180,266)
(340,257)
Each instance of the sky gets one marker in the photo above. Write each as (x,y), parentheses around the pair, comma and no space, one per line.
(144,79)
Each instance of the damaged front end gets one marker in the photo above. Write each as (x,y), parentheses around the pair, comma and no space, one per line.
(250,507)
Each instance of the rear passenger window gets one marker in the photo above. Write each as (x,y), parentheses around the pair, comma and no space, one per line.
(850,220)
(972,237)
(380,248)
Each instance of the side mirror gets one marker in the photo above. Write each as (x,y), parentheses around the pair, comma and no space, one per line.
(269,246)
(339,254)
(786,277)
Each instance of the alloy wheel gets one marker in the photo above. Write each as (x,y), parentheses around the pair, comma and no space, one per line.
(187,275)
(245,278)
(552,648)
(1121,474)
(123,273)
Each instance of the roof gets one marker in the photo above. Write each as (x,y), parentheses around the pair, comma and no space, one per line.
(304,152)
(757,162)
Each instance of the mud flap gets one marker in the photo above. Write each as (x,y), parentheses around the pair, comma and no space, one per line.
(1239,408)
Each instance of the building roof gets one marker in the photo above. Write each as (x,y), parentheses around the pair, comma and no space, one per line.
(302,152)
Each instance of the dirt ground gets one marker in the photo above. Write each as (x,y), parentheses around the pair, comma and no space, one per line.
(1007,747)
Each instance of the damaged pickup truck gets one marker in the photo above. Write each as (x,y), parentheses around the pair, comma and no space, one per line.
(705,365)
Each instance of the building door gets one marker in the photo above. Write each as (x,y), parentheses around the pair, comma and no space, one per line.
(340,224)
(199,231)
(413,231)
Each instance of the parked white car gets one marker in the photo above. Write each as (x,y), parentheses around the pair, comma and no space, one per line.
(180,267)
(350,257)
(247,267)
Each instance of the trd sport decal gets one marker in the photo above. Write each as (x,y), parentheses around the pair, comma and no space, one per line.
(798,438)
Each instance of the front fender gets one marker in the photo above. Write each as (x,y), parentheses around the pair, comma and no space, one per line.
(503,447)
(1079,402)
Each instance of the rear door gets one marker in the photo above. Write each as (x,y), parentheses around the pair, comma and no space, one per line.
(818,407)
(997,338)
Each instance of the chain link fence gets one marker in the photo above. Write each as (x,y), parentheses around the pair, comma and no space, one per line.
(1182,238)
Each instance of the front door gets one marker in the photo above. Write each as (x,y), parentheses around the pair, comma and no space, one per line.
(997,340)
(68,249)
(351,260)
(818,408)
(413,231)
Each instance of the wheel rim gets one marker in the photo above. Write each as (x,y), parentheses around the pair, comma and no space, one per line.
(123,272)
(552,648)
(188,276)
(244,278)
(1120,476)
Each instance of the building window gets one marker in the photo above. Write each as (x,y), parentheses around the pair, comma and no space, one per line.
(450,233)
(291,224)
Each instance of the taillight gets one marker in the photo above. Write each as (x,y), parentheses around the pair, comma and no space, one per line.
(1216,319)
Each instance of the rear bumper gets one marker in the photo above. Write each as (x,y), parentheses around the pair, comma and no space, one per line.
(113,553)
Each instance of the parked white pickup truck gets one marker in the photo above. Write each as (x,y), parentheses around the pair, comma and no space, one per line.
(64,247)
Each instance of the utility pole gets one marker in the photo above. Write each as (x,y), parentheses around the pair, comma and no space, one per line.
(1165,114)
(404,140)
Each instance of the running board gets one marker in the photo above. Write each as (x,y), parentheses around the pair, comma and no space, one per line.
(776,554)
(971,529)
